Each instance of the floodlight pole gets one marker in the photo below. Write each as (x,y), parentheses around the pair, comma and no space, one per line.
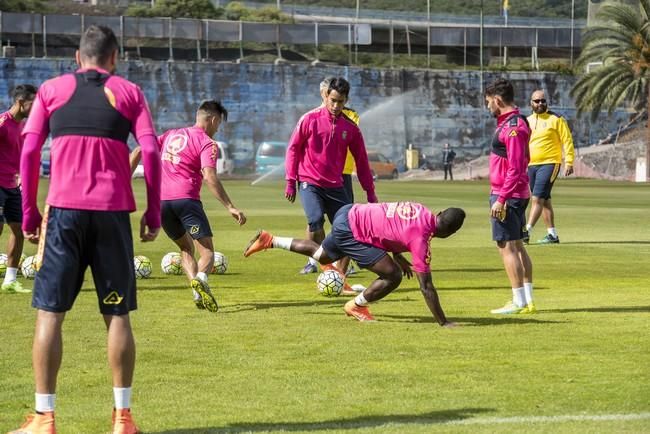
(356,46)
(480,54)
(428,33)
(573,6)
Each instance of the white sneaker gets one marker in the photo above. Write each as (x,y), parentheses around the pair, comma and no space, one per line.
(509,309)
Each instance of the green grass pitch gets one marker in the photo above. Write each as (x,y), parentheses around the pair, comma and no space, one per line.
(280,357)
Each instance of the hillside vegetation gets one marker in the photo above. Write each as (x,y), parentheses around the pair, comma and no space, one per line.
(522,8)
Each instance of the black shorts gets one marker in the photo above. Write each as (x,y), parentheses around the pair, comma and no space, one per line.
(542,177)
(75,240)
(11,208)
(318,202)
(347,186)
(185,215)
(514,225)
(340,242)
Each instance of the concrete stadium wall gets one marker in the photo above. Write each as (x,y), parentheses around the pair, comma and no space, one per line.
(424,107)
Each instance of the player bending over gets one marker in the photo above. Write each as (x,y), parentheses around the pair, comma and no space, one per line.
(366,233)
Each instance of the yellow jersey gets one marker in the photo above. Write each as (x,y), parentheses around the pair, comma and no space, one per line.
(349,166)
(549,135)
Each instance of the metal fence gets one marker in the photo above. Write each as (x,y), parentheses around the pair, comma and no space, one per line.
(171,29)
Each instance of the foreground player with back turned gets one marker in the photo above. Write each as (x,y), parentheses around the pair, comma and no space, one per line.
(89,114)
(366,233)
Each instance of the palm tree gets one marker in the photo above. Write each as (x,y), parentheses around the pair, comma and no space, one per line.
(621,40)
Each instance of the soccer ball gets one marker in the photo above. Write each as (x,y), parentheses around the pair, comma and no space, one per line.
(172,263)
(220,263)
(142,266)
(29,267)
(3,264)
(330,283)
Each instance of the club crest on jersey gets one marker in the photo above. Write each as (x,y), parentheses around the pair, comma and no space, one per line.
(344,134)
(403,210)
(513,133)
(173,146)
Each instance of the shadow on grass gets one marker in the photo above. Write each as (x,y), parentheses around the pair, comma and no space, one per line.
(467,270)
(240,307)
(468,321)
(431,418)
(460,288)
(607,309)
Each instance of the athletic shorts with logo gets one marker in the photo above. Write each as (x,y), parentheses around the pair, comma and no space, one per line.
(542,177)
(185,215)
(513,226)
(75,240)
(318,202)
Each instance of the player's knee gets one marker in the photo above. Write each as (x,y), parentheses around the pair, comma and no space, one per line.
(317,226)
(394,278)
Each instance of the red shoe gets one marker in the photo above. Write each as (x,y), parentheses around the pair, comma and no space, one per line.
(262,241)
(123,422)
(347,289)
(38,423)
(362,313)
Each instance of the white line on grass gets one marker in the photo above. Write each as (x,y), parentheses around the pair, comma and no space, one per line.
(548,419)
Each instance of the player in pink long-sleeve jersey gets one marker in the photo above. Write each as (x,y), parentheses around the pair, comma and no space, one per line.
(510,193)
(89,114)
(366,233)
(316,156)
(11,144)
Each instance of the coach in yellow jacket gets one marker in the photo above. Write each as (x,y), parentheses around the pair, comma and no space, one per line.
(550,136)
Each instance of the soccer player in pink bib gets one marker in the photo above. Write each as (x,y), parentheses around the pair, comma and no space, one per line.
(11,143)
(189,157)
(366,233)
(89,115)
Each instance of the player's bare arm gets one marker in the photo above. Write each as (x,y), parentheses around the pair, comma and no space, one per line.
(134,158)
(432,299)
(404,264)
(215,186)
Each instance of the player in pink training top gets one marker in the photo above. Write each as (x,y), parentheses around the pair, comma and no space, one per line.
(316,156)
(89,114)
(11,143)
(366,233)
(189,157)
(509,194)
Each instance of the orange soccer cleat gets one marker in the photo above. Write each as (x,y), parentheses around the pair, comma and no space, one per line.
(262,241)
(38,423)
(123,422)
(362,313)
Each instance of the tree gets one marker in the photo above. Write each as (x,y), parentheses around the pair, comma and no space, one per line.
(22,6)
(177,9)
(620,39)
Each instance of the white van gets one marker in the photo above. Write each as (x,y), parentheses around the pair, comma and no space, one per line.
(225,165)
